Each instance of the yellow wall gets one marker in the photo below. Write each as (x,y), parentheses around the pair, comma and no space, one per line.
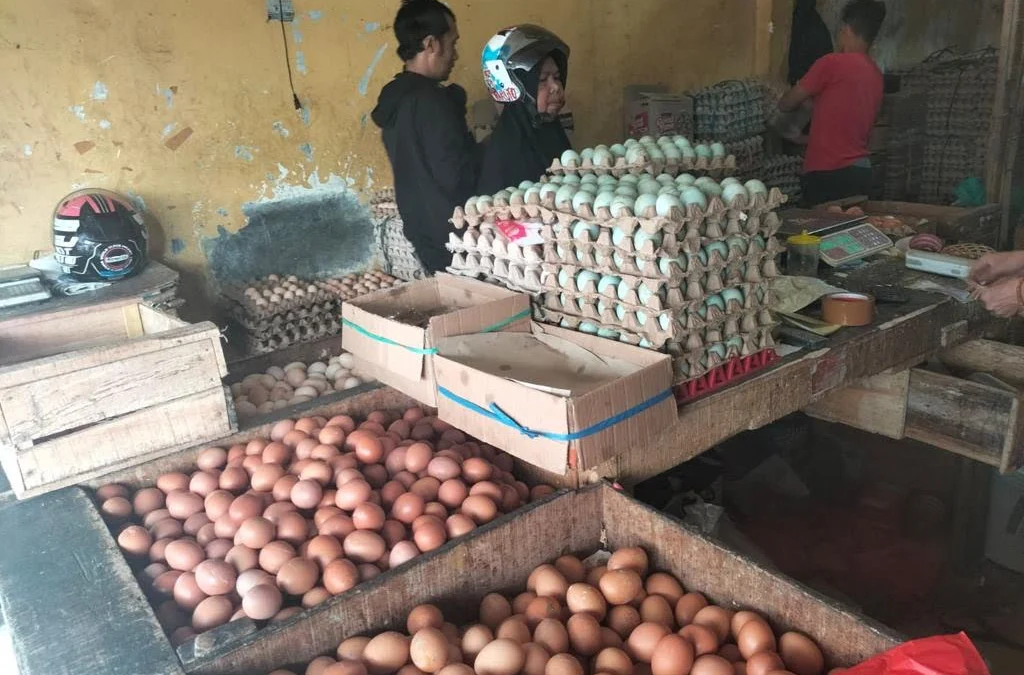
(92,91)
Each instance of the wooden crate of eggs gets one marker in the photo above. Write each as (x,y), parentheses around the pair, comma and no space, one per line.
(295,383)
(665,154)
(589,581)
(681,264)
(484,250)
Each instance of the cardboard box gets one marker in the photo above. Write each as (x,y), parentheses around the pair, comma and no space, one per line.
(559,383)
(651,110)
(392,333)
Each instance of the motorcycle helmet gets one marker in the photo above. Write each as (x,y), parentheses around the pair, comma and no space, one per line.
(99,236)
(519,48)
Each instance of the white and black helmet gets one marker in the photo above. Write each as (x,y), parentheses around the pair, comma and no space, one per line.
(99,236)
(519,48)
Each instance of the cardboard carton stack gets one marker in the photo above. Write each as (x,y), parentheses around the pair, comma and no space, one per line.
(665,261)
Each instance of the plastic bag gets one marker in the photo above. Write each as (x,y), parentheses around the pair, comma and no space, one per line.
(939,655)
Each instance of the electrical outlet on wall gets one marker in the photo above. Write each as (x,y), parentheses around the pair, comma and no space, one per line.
(280,10)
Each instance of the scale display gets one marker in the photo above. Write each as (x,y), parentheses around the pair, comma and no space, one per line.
(857,242)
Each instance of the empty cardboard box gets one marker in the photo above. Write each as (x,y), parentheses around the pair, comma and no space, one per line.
(393,333)
(555,398)
(651,110)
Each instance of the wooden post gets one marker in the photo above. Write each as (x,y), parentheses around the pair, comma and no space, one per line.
(763,29)
(1007,79)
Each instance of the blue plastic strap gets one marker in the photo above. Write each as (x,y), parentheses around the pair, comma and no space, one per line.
(429,351)
(494,412)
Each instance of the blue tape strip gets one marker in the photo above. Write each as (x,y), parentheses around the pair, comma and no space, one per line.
(429,351)
(494,412)
(380,338)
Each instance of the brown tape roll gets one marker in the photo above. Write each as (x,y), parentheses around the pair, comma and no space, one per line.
(848,309)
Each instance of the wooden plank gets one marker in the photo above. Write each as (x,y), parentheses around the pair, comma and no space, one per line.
(749,404)
(69,597)
(129,439)
(500,556)
(877,404)
(967,418)
(45,407)
(37,336)
(307,352)
(1009,53)
(70,362)
(986,356)
(132,321)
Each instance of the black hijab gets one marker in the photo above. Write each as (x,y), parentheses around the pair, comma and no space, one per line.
(523,144)
(809,39)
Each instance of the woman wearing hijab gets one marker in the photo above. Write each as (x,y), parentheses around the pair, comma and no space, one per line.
(525,70)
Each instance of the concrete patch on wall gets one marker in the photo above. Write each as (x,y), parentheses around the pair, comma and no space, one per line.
(364,81)
(310,230)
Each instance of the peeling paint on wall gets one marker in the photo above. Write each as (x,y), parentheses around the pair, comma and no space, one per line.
(104,124)
(168,94)
(168,130)
(304,113)
(300,62)
(26,150)
(371,26)
(244,152)
(296,33)
(137,201)
(315,15)
(281,130)
(307,150)
(177,246)
(78,111)
(99,91)
(222,212)
(364,81)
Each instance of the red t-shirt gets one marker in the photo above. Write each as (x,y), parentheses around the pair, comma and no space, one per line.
(847,92)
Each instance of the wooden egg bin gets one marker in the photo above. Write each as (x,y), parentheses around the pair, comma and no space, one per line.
(499,557)
(87,391)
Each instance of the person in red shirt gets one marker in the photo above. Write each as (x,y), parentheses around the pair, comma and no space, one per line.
(846,91)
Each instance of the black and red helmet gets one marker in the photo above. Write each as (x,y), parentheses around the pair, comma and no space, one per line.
(99,236)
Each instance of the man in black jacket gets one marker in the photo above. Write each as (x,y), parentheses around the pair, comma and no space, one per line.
(433,155)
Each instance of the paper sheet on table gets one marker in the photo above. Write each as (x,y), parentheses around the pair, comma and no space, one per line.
(543,362)
(794,293)
(954,288)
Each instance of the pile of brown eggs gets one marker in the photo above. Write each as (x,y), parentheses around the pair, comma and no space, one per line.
(266,528)
(609,619)
(353,285)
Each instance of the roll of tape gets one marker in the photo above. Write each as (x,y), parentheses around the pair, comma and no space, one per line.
(848,309)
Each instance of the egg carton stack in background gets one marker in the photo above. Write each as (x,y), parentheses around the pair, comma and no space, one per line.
(731,111)
(958,92)
(678,264)
(396,254)
(783,172)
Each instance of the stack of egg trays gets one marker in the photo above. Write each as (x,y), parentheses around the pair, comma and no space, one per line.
(482,251)
(730,110)
(716,167)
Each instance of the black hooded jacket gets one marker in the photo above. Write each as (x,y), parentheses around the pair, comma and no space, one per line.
(809,39)
(522,144)
(433,157)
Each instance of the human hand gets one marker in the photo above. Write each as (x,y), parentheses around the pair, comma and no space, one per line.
(1002,298)
(995,266)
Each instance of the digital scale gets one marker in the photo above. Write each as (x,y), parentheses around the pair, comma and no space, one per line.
(854,243)
(21,285)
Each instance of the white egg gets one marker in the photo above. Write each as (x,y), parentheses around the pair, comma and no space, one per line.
(666,203)
(570,158)
(643,203)
(581,198)
(693,195)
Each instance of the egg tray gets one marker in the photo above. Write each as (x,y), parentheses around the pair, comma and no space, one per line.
(238,314)
(646,261)
(490,242)
(246,306)
(713,275)
(659,293)
(714,218)
(291,327)
(682,324)
(514,275)
(688,368)
(262,344)
(716,167)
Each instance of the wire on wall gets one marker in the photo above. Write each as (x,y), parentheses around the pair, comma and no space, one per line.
(287,57)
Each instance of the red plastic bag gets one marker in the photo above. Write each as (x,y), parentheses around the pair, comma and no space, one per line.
(939,655)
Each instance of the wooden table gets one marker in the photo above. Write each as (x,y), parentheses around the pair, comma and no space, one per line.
(61,600)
